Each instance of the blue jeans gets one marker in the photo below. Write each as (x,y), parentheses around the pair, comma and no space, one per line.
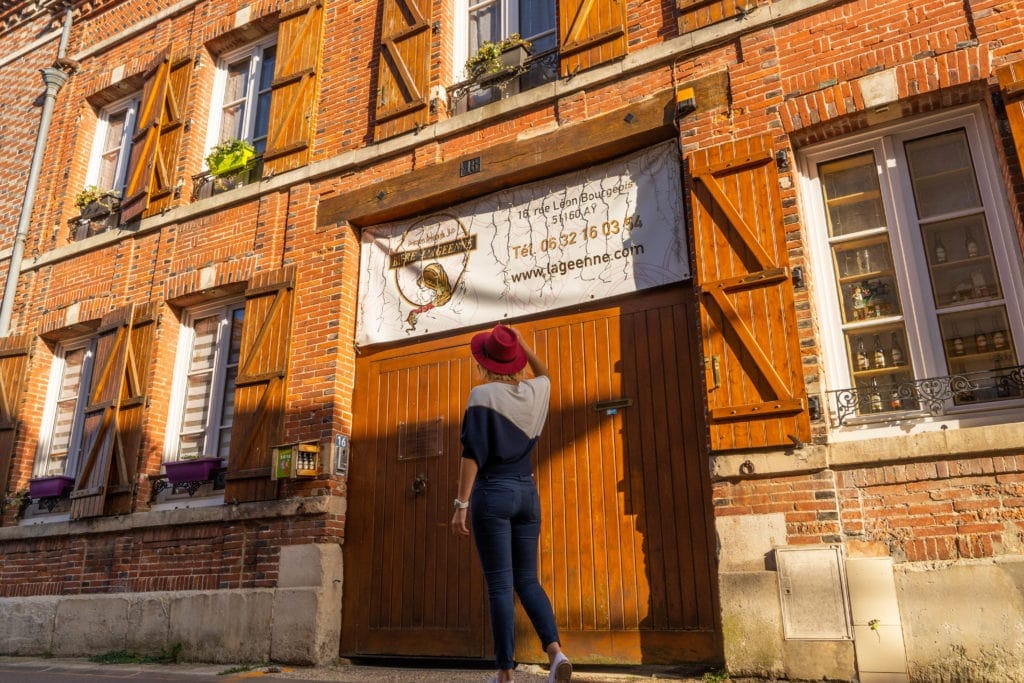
(506,527)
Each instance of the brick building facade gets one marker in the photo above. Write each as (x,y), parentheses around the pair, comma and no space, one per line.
(773,254)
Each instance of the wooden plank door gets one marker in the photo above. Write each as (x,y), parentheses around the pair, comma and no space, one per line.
(626,548)
(411,588)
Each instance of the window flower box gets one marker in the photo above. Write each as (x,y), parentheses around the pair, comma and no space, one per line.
(50,487)
(499,62)
(194,469)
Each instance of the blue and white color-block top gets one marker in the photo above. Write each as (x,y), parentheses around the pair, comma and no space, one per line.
(502,424)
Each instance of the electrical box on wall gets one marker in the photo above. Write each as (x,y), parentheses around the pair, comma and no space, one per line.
(812,588)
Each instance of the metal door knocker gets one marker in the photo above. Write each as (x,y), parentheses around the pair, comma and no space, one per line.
(419,485)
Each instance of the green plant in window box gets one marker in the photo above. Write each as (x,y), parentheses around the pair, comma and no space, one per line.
(229,157)
(502,60)
(94,202)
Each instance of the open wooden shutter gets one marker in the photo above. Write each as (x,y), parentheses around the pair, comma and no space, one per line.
(1011,83)
(99,431)
(592,32)
(258,423)
(146,139)
(14,357)
(294,89)
(755,387)
(130,411)
(172,125)
(403,78)
(694,14)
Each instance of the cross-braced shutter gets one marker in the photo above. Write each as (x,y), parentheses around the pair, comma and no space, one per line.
(145,141)
(14,356)
(130,411)
(99,430)
(258,423)
(1011,83)
(592,32)
(294,89)
(755,387)
(403,78)
(172,125)
(694,14)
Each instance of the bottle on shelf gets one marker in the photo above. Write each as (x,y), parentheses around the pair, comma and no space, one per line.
(895,400)
(875,397)
(861,355)
(878,355)
(957,343)
(970,245)
(896,355)
(980,339)
(940,251)
(999,340)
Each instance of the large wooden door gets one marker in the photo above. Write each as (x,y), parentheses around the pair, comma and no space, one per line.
(626,548)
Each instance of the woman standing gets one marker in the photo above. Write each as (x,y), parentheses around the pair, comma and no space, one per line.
(503,420)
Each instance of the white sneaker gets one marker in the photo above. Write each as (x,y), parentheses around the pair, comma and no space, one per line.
(561,669)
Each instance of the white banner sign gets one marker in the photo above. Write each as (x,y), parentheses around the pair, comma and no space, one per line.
(584,236)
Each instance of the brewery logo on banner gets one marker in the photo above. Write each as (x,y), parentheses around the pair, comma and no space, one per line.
(584,236)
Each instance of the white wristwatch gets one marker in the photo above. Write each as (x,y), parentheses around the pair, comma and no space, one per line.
(461,504)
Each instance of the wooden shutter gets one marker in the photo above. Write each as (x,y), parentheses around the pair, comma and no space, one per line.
(754,379)
(99,431)
(146,138)
(258,423)
(130,410)
(14,356)
(694,14)
(172,125)
(592,32)
(403,78)
(1011,83)
(294,89)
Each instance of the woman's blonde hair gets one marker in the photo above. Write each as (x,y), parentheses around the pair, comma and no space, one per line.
(495,377)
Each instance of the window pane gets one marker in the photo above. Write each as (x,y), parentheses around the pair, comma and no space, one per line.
(204,344)
(942,174)
(235,94)
(978,345)
(960,261)
(853,200)
(484,24)
(67,410)
(537,17)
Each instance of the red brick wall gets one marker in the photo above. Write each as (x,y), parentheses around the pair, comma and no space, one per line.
(942,510)
(242,554)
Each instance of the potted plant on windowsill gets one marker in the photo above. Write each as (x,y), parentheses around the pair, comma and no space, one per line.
(95,203)
(197,468)
(229,157)
(51,486)
(500,61)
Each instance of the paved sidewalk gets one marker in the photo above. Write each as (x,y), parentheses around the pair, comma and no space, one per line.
(59,670)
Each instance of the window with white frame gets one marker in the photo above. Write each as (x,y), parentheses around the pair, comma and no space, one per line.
(204,387)
(112,146)
(61,435)
(242,89)
(493,20)
(920,304)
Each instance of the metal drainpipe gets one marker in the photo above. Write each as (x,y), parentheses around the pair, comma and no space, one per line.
(54,78)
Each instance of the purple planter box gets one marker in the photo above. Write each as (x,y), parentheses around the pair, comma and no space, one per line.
(197,469)
(49,487)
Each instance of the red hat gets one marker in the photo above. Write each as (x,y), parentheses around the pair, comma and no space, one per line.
(499,351)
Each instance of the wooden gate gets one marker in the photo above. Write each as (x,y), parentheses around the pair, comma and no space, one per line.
(626,549)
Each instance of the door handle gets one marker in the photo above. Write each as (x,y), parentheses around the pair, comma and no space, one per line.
(419,485)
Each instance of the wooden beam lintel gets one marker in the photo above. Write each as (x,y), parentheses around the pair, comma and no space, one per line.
(507,164)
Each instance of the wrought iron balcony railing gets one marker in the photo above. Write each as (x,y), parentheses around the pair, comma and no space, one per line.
(540,68)
(934,395)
